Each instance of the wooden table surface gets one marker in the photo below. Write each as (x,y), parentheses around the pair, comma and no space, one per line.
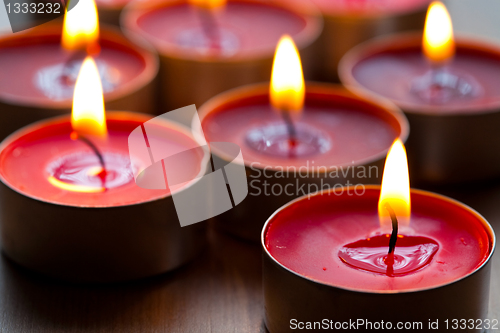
(218,292)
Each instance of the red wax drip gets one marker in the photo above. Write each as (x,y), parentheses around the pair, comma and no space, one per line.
(411,254)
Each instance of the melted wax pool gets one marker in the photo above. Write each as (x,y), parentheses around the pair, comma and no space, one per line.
(412,253)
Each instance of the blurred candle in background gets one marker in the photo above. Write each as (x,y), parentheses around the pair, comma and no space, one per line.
(212,46)
(447,88)
(39,68)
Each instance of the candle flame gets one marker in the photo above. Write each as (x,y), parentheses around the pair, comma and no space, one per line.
(438,44)
(287,80)
(208,4)
(81,27)
(395,190)
(88,116)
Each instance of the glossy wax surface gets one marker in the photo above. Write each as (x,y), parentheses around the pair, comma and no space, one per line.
(307,235)
(26,157)
(390,73)
(256,26)
(410,254)
(357,132)
(370,7)
(25,57)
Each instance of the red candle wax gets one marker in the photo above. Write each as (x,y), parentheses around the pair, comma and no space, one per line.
(306,236)
(234,44)
(371,254)
(247,29)
(453,110)
(353,131)
(393,69)
(32,158)
(63,217)
(341,138)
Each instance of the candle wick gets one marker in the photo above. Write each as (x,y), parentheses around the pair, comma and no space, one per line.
(210,28)
(67,72)
(438,75)
(292,131)
(75,56)
(394,235)
(96,151)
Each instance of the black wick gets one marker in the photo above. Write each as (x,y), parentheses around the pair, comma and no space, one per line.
(77,56)
(94,149)
(292,132)
(210,27)
(394,235)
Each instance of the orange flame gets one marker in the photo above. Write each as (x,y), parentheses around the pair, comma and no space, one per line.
(287,80)
(88,116)
(438,44)
(395,190)
(81,27)
(208,4)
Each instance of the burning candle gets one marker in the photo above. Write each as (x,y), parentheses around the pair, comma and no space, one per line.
(39,68)
(330,256)
(297,138)
(351,22)
(378,253)
(448,91)
(70,205)
(211,46)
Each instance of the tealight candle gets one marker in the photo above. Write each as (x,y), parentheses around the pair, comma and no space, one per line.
(211,46)
(329,256)
(310,137)
(349,23)
(70,205)
(450,97)
(38,74)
